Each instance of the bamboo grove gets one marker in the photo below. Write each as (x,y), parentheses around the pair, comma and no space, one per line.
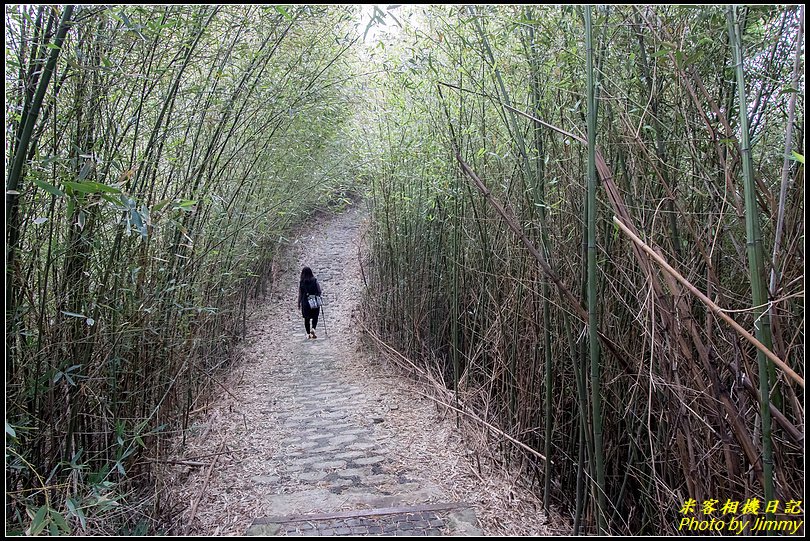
(523,148)
(156,158)
(586,221)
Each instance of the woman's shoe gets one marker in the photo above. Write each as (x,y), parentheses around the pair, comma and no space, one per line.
(312,334)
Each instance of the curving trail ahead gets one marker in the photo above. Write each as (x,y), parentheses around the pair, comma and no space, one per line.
(320,437)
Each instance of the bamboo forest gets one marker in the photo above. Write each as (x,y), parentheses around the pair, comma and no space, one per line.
(564,244)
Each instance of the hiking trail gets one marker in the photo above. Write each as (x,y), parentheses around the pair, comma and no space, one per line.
(324,436)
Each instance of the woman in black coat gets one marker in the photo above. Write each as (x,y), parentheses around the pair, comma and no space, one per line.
(308,286)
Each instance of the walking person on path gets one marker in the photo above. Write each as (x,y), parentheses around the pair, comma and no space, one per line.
(309,300)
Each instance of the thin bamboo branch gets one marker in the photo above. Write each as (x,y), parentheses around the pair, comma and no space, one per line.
(472,416)
(780,216)
(204,487)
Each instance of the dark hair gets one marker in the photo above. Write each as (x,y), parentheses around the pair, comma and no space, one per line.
(306,274)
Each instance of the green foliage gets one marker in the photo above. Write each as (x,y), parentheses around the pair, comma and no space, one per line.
(46,520)
(174,147)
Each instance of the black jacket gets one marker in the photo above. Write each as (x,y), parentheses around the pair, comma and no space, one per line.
(306,288)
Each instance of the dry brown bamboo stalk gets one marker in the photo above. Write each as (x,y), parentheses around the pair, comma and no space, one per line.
(711,305)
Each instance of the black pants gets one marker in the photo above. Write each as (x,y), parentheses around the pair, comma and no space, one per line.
(312,314)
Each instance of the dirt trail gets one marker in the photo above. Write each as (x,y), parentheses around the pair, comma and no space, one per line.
(327,427)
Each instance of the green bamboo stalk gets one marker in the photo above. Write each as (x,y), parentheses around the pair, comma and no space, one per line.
(577,354)
(593,337)
(21,151)
(580,357)
(540,183)
(30,116)
(454,298)
(762,326)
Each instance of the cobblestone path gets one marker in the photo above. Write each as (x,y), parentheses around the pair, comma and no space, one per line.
(337,453)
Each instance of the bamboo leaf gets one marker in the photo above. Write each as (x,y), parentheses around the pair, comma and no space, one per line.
(135,216)
(86,168)
(111,199)
(39,521)
(284,12)
(60,522)
(795,156)
(161,205)
(50,188)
